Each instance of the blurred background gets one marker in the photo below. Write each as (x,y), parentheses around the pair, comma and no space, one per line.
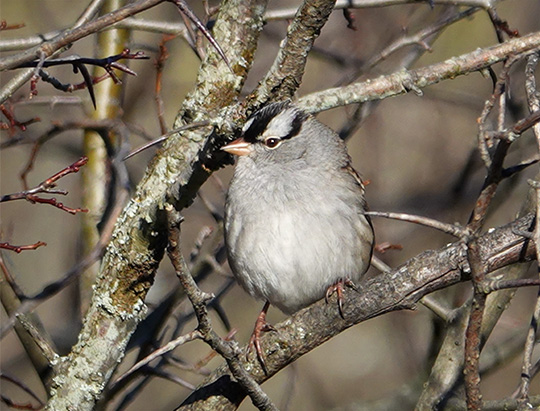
(417,152)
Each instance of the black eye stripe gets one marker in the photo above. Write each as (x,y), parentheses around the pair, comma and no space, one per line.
(262,118)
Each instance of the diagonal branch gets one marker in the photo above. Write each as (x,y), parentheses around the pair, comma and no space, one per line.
(285,75)
(199,299)
(396,290)
(67,37)
(405,81)
(139,238)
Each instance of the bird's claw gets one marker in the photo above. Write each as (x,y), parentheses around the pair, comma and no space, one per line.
(337,288)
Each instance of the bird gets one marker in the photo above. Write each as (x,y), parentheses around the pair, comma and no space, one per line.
(295,228)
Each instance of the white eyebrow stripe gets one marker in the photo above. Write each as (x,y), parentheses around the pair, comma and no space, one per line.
(281,125)
(247,125)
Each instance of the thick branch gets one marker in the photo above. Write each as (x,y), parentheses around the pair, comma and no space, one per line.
(396,290)
(285,75)
(139,238)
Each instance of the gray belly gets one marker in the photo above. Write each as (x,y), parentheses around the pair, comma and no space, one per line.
(291,265)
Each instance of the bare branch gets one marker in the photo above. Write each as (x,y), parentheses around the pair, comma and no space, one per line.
(126,274)
(397,290)
(48,187)
(19,248)
(286,73)
(227,349)
(452,229)
(170,346)
(412,80)
(69,36)
(184,8)
(26,389)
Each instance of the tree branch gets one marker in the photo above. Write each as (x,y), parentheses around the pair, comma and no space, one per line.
(67,37)
(139,238)
(414,80)
(285,75)
(396,290)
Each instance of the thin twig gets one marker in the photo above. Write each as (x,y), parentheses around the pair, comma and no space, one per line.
(452,229)
(67,37)
(13,122)
(159,63)
(25,388)
(418,38)
(91,10)
(19,248)
(227,349)
(50,290)
(485,142)
(289,13)
(48,187)
(184,9)
(165,136)
(171,345)
(160,372)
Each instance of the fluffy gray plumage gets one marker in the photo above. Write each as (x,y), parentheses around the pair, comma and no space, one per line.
(294,222)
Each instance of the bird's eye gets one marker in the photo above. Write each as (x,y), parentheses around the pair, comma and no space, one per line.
(272,142)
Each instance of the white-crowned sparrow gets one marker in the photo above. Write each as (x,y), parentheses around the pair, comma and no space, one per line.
(294,216)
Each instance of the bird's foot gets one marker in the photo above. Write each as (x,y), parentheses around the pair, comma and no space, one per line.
(260,326)
(337,288)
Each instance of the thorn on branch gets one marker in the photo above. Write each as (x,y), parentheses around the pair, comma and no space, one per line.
(79,66)
(510,171)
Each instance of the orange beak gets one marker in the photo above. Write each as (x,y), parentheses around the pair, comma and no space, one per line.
(238,147)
